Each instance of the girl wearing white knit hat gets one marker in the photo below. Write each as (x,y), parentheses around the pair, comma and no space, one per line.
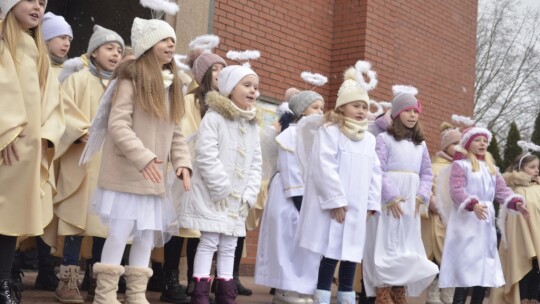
(342,187)
(226,179)
(84,86)
(31,124)
(142,137)
(396,264)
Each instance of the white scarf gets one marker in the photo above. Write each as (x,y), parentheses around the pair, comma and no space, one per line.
(167,78)
(354,129)
(246,114)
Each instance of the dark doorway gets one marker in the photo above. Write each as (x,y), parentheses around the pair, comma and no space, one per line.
(116,15)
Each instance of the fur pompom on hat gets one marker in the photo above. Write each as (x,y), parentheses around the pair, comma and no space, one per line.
(449,135)
(146,33)
(55,26)
(290,92)
(404,99)
(350,91)
(202,61)
(230,76)
(473,132)
(101,36)
(299,102)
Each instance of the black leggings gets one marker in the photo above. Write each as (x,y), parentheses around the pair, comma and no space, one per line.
(172,251)
(7,252)
(327,269)
(528,286)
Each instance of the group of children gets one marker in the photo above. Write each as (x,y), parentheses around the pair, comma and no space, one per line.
(347,190)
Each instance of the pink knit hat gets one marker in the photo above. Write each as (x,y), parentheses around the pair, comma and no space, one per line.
(449,135)
(204,62)
(404,99)
(471,133)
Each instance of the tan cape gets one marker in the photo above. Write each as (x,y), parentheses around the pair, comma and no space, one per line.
(523,237)
(75,184)
(76,126)
(29,114)
(433,229)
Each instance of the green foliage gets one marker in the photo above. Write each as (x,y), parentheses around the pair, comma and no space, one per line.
(535,138)
(512,149)
(493,148)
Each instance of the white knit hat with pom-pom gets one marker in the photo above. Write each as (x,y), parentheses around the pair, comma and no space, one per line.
(350,91)
(146,33)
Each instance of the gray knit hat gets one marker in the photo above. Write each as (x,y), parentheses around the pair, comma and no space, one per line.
(101,36)
(299,102)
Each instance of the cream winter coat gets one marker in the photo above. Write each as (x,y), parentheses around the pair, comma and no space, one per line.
(227,167)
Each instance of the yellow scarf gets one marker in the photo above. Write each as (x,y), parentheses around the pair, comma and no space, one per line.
(354,129)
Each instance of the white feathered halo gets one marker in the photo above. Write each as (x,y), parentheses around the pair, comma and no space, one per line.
(314,79)
(160,6)
(243,57)
(204,42)
(364,68)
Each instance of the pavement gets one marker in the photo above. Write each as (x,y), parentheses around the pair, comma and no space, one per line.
(260,293)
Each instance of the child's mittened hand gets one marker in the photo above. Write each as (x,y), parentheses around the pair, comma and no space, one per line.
(152,171)
(183,173)
(523,210)
(338,214)
(480,211)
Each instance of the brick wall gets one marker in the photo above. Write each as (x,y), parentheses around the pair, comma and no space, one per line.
(428,44)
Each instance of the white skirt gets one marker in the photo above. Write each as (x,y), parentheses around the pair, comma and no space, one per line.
(395,254)
(145,212)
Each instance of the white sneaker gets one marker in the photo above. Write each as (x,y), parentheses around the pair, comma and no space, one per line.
(287,297)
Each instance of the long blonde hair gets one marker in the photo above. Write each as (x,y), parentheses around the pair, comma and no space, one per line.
(488,159)
(145,72)
(10,31)
(335,116)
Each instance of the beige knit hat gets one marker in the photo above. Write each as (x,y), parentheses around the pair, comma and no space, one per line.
(146,33)
(350,91)
(101,36)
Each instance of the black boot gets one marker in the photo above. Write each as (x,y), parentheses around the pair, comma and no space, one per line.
(173,292)
(85,285)
(16,273)
(156,282)
(9,293)
(460,295)
(241,289)
(478,294)
(46,278)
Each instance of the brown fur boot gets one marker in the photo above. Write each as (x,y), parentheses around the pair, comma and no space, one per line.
(398,295)
(384,296)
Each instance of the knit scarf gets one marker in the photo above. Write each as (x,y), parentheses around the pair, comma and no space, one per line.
(354,129)
(57,61)
(168,77)
(102,74)
(246,114)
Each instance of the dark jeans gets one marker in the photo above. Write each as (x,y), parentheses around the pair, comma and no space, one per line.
(72,250)
(7,252)
(327,269)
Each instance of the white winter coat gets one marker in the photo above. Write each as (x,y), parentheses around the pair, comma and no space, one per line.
(227,166)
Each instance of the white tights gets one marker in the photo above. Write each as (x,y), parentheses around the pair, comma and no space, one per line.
(209,243)
(119,233)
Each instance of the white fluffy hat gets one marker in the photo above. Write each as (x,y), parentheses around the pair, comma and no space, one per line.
(6,6)
(146,33)
(230,76)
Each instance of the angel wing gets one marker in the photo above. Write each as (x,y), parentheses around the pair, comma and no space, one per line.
(269,152)
(443,200)
(71,66)
(98,129)
(307,127)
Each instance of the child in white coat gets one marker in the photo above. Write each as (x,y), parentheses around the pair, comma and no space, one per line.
(281,263)
(470,257)
(226,181)
(343,186)
(143,136)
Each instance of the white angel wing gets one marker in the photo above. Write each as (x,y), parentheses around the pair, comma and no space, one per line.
(443,200)
(98,129)
(70,66)
(307,127)
(269,152)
